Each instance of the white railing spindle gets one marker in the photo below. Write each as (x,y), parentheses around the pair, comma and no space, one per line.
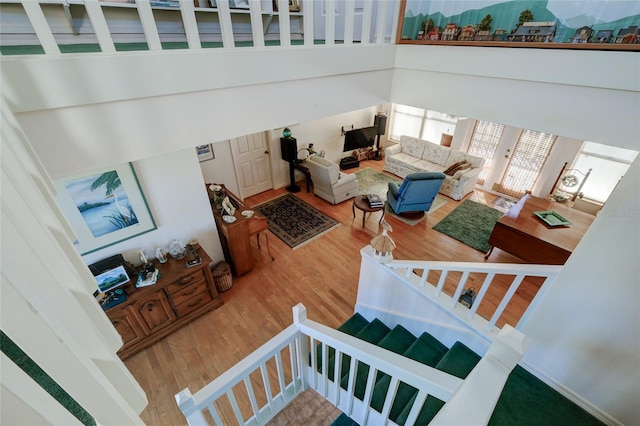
(443,278)
(349,20)
(149,25)
(367,12)
(483,290)
(252,395)
(257,28)
(41,27)
(187,8)
(226,27)
(368,393)
(284,23)
(214,415)
(505,300)
(99,23)
(235,407)
(459,288)
(308,22)
(381,15)
(330,22)
(266,383)
(391,395)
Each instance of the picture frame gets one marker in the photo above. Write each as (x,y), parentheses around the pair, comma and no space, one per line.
(205,152)
(104,207)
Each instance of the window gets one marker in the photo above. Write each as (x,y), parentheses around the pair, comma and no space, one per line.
(484,143)
(607,163)
(525,164)
(421,123)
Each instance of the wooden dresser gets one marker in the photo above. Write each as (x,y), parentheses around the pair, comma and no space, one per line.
(151,313)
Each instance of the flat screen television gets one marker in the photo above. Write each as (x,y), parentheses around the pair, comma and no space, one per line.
(360,138)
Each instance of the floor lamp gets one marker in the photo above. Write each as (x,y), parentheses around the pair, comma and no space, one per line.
(380,123)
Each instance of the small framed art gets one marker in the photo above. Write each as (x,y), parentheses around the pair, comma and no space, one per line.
(205,152)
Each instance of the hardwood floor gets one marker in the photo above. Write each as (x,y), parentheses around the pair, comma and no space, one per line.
(323,275)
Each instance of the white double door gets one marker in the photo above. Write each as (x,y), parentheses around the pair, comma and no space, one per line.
(251,161)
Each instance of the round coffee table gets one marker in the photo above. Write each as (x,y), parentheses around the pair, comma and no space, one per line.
(362,204)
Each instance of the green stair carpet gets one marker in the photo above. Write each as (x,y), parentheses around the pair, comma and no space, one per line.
(525,399)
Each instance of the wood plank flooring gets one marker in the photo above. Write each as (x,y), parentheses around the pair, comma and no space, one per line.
(323,275)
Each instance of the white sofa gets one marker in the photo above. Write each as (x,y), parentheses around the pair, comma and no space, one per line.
(413,155)
(329,182)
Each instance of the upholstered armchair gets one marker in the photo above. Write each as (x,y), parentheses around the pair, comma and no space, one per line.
(416,193)
(329,182)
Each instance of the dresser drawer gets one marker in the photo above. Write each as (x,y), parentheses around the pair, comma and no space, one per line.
(187,280)
(186,293)
(194,302)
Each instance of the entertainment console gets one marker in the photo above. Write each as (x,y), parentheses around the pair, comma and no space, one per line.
(349,163)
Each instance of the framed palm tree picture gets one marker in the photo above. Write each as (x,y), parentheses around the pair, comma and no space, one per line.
(104,207)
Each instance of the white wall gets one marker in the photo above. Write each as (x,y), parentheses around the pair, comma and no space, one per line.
(175,192)
(536,89)
(585,332)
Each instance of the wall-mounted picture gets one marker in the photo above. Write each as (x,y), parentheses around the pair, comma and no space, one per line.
(205,152)
(104,207)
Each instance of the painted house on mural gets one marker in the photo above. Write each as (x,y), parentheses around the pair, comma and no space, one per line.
(628,35)
(499,35)
(582,35)
(483,36)
(451,31)
(433,34)
(603,36)
(467,33)
(539,32)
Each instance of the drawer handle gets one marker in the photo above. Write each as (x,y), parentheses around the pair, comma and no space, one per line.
(191,292)
(195,304)
(186,280)
(150,307)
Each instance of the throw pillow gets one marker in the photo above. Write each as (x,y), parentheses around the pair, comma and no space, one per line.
(451,170)
(455,167)
(462,170)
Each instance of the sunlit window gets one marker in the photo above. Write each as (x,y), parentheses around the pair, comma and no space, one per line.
(421,123)
(607,163)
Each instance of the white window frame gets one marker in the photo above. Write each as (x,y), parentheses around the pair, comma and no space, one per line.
(425,116)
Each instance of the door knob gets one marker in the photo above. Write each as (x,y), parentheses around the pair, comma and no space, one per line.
(266,152)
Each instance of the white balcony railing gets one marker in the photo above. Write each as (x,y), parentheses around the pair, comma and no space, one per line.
(55,27)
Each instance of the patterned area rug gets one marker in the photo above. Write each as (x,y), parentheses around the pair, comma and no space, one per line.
(372,181)
(470,223)
(294,221)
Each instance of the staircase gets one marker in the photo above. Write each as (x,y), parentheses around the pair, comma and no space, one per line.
(525,400)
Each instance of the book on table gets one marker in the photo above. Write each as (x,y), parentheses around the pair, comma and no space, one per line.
(146,278)
(374,200)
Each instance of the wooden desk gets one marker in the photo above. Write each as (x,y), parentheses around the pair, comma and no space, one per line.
(235,237)
(524,235)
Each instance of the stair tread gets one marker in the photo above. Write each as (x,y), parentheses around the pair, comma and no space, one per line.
(354,324)
(527,400)
(426,350)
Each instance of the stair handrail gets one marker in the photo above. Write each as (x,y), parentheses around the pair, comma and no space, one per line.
(483,385)
(192,405)
(406,271)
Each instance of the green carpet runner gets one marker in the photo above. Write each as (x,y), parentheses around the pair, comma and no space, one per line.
(525,400)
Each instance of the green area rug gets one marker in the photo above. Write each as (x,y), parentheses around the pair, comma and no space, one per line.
(371,181)
(294,221)
(470,223)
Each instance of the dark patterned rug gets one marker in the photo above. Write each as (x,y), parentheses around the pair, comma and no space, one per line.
(294,221)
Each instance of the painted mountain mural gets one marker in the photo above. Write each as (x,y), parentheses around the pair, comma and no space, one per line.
(594,14)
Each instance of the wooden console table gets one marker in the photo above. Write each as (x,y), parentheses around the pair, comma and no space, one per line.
(524,235)
(151,313)
(235,237)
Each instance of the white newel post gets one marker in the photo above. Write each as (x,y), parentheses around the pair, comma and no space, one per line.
(302,344)
(477,396)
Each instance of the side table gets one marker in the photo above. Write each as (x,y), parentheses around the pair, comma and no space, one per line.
(360,203)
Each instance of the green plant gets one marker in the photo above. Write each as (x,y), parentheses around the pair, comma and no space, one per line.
(485,24)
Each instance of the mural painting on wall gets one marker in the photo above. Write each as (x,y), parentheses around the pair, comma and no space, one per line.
(536,21)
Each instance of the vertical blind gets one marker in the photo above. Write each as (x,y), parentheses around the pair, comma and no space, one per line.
(484,142)
(529,155)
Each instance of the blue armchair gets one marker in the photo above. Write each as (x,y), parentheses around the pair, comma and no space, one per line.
(416,193)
